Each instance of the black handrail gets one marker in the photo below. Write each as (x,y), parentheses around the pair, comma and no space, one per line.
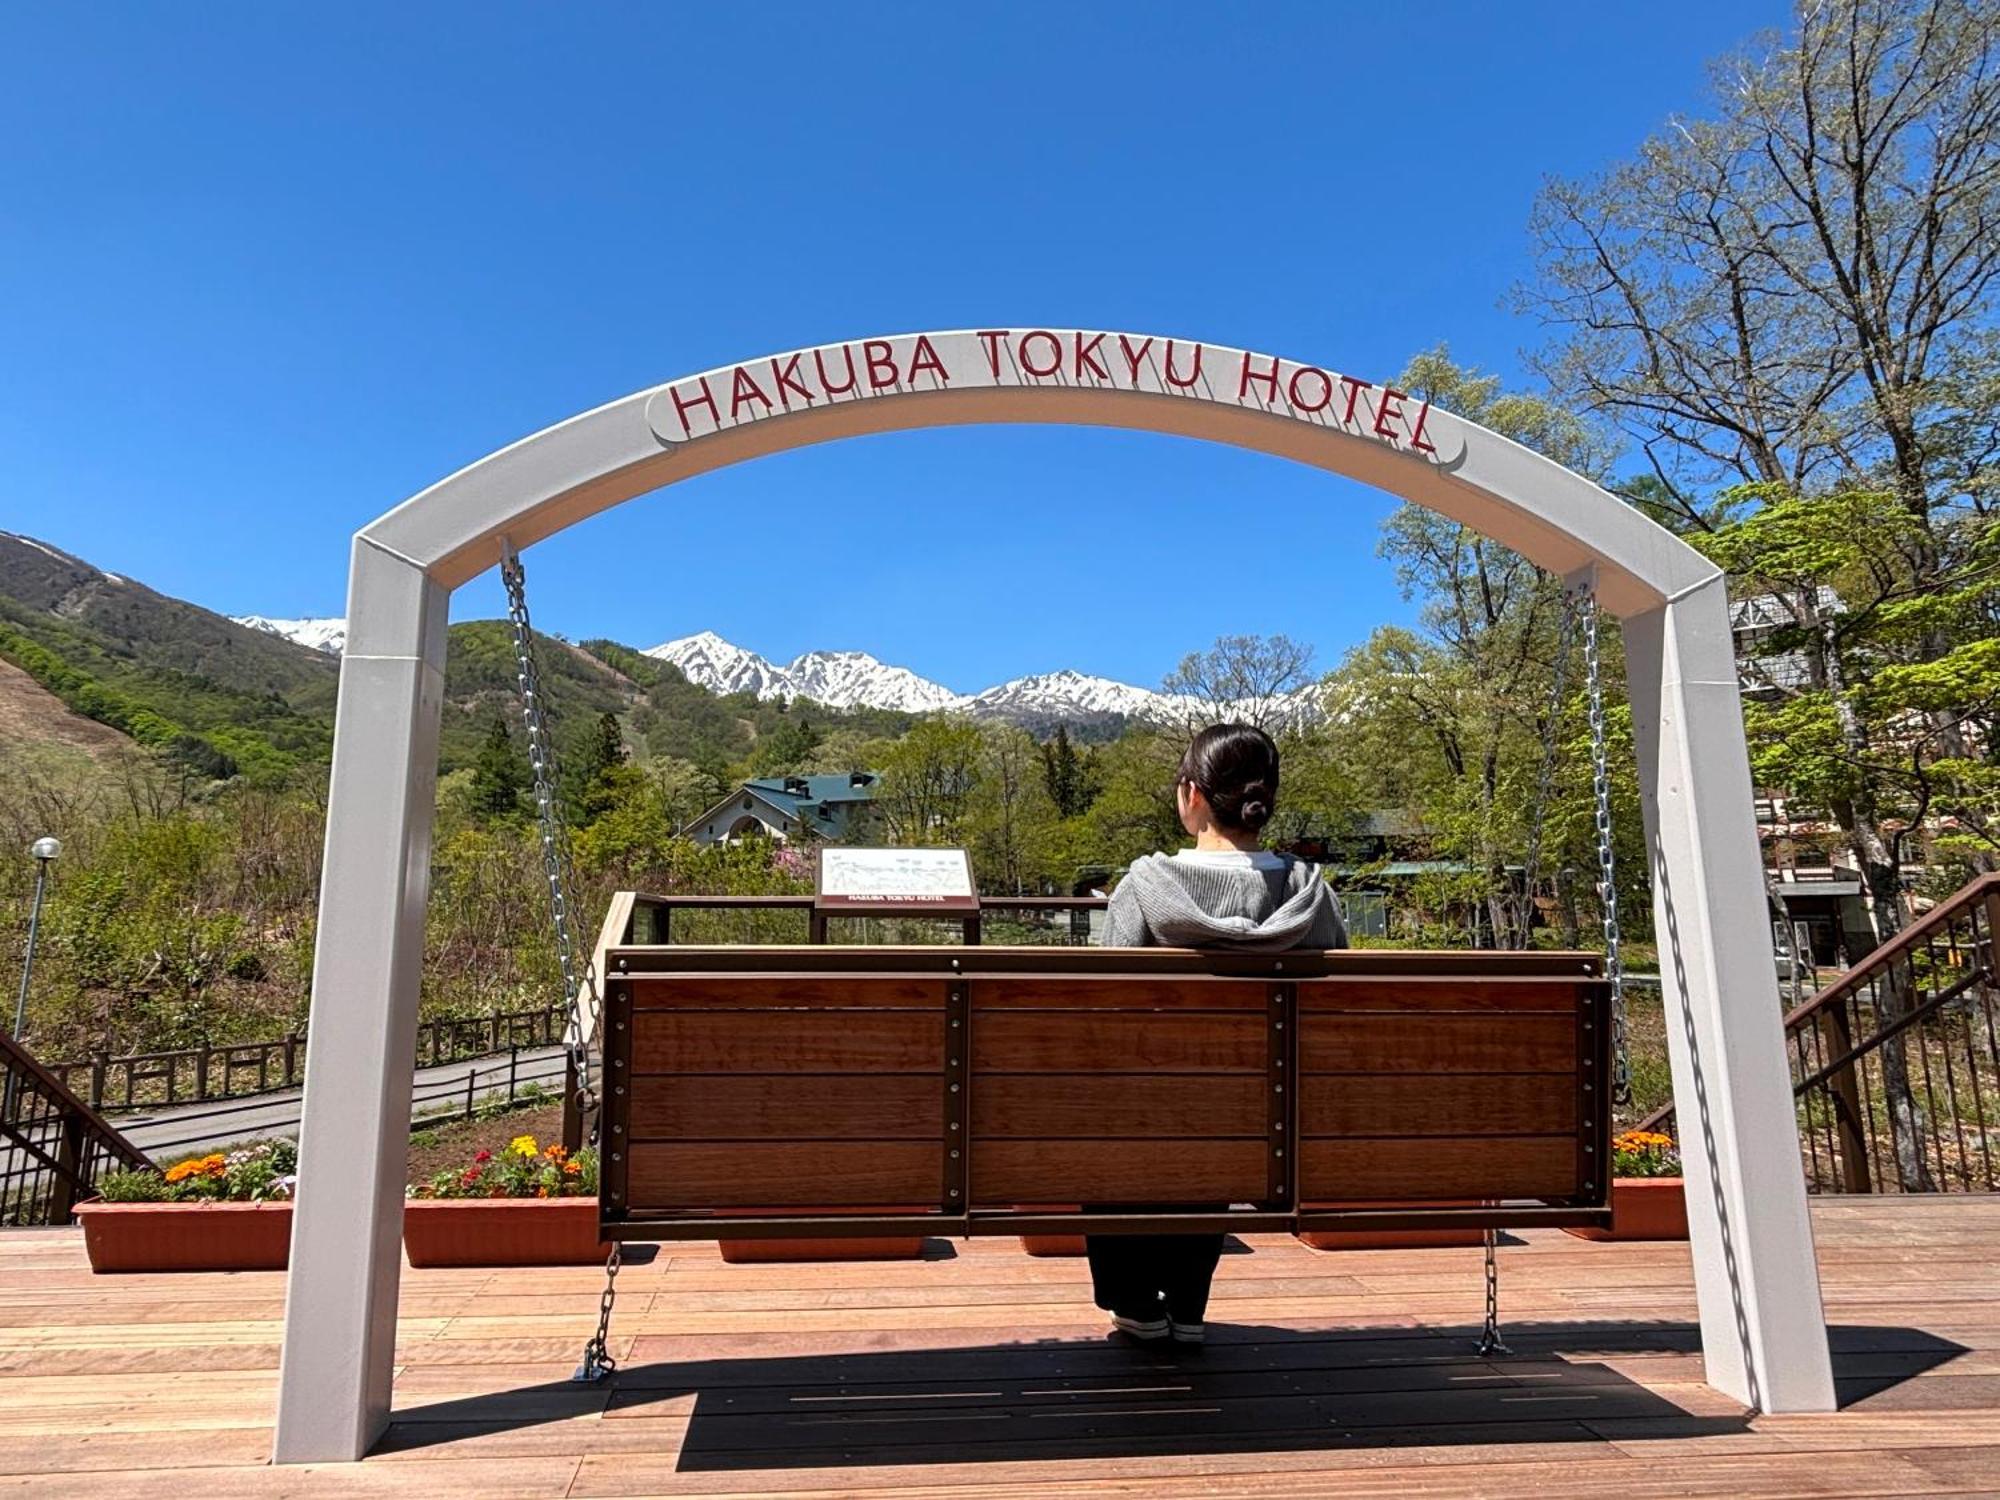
(1896,1064)
(53,1146)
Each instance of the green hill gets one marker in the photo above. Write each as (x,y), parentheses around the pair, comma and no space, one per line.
(222,700)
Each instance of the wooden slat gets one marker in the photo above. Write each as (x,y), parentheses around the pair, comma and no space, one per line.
(787,1041)
(1437,1104)
(780,991)
(1470,1042)
(1105,1104)
(1424,994)
(1146,1171)
(815,1174)
(784,1106)
(1425,1169)
(1050,1042)
(1166,992)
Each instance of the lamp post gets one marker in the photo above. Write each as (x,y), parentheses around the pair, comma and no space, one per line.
(43,850)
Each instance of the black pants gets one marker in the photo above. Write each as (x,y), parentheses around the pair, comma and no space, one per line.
(1150,1275)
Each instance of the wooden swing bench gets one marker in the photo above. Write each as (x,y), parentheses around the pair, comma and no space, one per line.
(827,1093)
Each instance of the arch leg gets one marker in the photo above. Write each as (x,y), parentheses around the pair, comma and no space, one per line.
(1763,1330)
(340,1304)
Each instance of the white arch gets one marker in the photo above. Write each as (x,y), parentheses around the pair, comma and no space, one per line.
(1763,1335)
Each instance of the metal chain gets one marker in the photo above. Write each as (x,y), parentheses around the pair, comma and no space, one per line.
(1490,1341)
(1607,881)
(1545,788)
(597,1360)
(556,867)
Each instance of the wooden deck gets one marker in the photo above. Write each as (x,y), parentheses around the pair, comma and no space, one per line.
(983,1372)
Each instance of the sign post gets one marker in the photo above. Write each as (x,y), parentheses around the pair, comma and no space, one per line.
(895,883)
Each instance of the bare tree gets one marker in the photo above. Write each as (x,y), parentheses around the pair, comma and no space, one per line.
(1246,679)
(1773,294)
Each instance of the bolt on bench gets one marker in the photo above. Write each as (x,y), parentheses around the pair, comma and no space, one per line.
(854,1092)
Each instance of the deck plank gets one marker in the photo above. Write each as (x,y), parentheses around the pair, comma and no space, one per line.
(980,1372)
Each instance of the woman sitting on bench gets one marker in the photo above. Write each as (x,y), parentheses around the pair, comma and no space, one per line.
(1225,892)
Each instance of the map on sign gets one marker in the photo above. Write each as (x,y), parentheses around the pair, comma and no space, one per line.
(929,878)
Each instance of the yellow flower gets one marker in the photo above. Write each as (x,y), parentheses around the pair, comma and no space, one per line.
(523,1145)
(181,1170)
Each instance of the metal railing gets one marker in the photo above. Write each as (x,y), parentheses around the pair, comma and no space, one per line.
(53,1147)
(1896,1064)
(1054,920)
(243,1070)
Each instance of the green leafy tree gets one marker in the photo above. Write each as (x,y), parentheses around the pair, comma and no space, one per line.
(499,776)
(1011,812)
(1067,774)
(928,779)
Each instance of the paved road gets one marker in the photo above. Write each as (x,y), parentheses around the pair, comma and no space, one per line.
(163,1133)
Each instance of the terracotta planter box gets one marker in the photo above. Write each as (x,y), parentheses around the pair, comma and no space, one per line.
(502,1232)
(881,1247)
(1644,1208)
(186,1236)
(1051,1244)
(1392,1239)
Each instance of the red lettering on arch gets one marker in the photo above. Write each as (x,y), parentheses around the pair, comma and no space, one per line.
(1055,352)
(853,379)
(924,357)
(785,377)
(991,337)
(1086,354)
(1387,409)
(1268,379)
(1417,433)
(745,389)
(1354,390)
(706,398)
(1133,356)
(881,356)
(1299,403)
(1172,378)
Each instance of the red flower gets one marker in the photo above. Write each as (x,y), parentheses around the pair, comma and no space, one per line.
(482,1157)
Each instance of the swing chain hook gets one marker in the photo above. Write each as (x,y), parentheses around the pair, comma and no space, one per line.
(1490,1341)
(578,982)
(1607,882)
(597,1360)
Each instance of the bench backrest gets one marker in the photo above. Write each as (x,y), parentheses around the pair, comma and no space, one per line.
(968,1085)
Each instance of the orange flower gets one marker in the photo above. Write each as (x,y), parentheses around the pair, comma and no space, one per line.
(572,1169)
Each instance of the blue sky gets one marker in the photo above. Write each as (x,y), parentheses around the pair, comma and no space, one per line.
(268,270)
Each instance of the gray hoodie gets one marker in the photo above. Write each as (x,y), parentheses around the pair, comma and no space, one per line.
(1194,903)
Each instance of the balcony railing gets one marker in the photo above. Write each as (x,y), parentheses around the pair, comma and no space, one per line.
(53,1147)
(1896,1064)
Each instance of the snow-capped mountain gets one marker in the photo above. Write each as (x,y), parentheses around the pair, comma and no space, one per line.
(849,679)
(329,636)
(708,661)
(1068,693)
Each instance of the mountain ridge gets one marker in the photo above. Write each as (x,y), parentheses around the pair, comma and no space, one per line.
(847,679)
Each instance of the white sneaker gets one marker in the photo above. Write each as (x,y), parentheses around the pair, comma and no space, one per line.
(1187,1333)
(1140,1328)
